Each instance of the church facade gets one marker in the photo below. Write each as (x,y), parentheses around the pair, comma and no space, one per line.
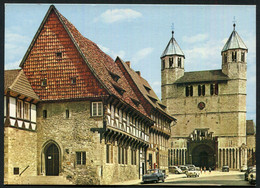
(210,108)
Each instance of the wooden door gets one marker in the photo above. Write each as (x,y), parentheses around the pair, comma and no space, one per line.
(52,160)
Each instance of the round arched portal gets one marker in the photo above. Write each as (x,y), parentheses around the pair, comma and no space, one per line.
(203,156)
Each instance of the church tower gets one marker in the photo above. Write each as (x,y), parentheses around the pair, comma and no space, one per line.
(234,55)
(172,65)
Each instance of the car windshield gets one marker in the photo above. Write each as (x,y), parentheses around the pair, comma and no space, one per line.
(152,171)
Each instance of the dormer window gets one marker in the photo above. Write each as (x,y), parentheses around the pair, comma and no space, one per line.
(119,89)
(114,76)
(147,89)
(152,98)
(73,80)
(136,102)
(59,54)
(44,82)
(170,62)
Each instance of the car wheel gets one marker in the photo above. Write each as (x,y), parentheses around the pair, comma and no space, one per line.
(163,180)
(158,180)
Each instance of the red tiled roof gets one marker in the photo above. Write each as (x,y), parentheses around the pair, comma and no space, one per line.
(97,61)
(143,86)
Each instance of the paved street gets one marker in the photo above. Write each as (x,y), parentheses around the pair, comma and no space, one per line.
(214,178)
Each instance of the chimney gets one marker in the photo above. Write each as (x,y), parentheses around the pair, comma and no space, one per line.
(138,72)
(128,63)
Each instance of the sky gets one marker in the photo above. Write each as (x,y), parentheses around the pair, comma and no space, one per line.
(140,33)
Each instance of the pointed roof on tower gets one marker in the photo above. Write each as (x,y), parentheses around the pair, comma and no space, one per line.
(234,42)
(172,48)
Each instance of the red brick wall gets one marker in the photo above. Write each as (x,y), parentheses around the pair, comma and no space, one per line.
(42,62)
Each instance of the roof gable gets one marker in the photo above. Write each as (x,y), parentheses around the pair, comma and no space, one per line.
(15,80)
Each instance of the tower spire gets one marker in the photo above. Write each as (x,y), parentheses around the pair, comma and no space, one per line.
(234,22)
(172,29)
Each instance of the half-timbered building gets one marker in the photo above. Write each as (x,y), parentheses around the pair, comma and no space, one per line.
(95,125)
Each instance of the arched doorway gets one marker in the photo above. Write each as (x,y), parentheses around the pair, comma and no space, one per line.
(52,160)
(203,155)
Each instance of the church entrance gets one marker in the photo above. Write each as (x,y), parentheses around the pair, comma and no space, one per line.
(52,160)
(203,156)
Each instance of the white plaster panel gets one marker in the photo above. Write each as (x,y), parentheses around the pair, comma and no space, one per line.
(33,126)
(12,107)
(33,113)
(12,122)
(20,123)
(108,119)
(27,125)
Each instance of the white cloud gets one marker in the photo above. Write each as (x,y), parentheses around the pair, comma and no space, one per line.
(110,52)
(12,65)
(141,54)
(196,38)
(115,15)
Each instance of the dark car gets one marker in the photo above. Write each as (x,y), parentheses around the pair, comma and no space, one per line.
(154,175)
(249,169)
(225,168)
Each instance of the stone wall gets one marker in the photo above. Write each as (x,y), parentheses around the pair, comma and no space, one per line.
(19,152)
(73,134)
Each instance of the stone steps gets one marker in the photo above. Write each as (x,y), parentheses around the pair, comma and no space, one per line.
(45,180)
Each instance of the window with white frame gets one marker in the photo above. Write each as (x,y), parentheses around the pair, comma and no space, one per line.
(26,111)
(97,109)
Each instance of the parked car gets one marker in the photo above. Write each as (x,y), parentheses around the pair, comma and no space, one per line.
(193,173)
(225,168)
(243,168)
(153,175)
(197,169)
(249,169)
(190,165)
(252,177)
(184,169)
(175,170)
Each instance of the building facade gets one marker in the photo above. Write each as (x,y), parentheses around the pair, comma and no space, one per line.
(98,121)
(210,107)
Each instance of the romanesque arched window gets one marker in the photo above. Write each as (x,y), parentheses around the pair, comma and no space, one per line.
(179,62)
(243,56)
(199,90)
(234,56)
(170,62)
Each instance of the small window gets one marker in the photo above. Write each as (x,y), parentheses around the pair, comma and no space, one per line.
(243,56)
(216,89)
(44,114)
(187,91)
(59,54)
(81,158)
(73,80)
(234,56)
(179,62)
(163,64)
(225,58)
(191,91)
(97,109)
(211,89)
(16,170)
(199,90)
(203,90)
(26,111)
(67,113)
(19,109)
(44,82)
(170,62)
(107,153)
